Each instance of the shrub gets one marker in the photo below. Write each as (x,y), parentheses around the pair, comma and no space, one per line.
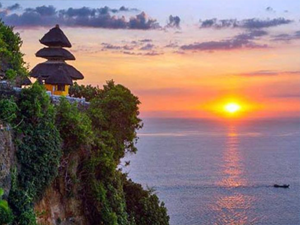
(8,110)
(80,91)
(74,126)
(6,215)
(143,206)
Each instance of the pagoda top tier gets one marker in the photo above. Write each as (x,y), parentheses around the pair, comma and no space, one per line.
(56,38)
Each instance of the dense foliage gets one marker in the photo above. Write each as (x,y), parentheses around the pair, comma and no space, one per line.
(46,135)
(74,126)
(80,91)
(8,112)
(143,206)
(12,65)
(108,192)
(38,151)
(6,215)
(114,113)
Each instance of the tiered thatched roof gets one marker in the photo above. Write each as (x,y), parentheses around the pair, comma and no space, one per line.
(55,70)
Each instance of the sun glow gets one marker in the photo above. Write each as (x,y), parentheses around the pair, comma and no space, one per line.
(232,107)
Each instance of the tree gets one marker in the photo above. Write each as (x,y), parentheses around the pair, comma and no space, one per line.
(114,112)
(12,65)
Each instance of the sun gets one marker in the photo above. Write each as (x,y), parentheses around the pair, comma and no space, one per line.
(232,107)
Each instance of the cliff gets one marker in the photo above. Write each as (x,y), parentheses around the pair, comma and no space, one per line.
(59,165)
(62,202)
(7,158)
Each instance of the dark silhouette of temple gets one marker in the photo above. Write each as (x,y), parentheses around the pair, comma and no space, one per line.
(55,73)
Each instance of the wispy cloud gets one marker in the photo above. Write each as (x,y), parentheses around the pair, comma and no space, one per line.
(268,73)
(242,41)
(253,23)
(143,47)
(286,37)
(151,53)
(147,47)
(145,40)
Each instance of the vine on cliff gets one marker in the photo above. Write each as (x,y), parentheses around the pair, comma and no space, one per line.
(38,151)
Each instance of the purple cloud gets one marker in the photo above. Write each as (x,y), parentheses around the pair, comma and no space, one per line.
(253,23)
(242,41)
(47,16)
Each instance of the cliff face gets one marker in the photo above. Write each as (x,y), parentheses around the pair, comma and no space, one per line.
(62,202)
(7,156)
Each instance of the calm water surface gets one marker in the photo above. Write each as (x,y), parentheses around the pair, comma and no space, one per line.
(221,173)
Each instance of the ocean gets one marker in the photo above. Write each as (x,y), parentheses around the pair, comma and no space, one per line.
(216,172)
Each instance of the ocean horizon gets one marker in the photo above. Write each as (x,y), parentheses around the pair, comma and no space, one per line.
(221,172)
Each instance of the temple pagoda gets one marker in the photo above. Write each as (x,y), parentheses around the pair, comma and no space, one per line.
(55,73)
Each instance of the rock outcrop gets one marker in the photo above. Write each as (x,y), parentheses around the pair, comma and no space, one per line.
(62,202)
(7,158)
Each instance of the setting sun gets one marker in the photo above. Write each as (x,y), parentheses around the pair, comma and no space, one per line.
(232,107)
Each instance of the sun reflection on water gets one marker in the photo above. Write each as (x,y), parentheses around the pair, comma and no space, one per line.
(232,168)
(232,205)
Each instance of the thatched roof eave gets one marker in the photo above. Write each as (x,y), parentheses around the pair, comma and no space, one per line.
(55,53)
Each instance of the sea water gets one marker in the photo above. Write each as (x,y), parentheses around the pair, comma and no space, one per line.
(221,172)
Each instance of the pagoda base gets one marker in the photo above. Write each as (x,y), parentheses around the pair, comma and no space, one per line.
(61,90)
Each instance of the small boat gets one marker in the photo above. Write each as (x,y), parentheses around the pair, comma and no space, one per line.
(281,185)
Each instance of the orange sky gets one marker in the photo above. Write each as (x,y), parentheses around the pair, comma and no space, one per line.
(187,83)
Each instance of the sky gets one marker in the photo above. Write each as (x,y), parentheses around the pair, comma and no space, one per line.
(182,58)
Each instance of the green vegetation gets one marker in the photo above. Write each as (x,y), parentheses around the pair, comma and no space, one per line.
(88,92)
(74,126)
(12,65)
(105,131)
(38,151)
(8,111)
(108,192)
(6,215)
(100,136)
(143,206)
